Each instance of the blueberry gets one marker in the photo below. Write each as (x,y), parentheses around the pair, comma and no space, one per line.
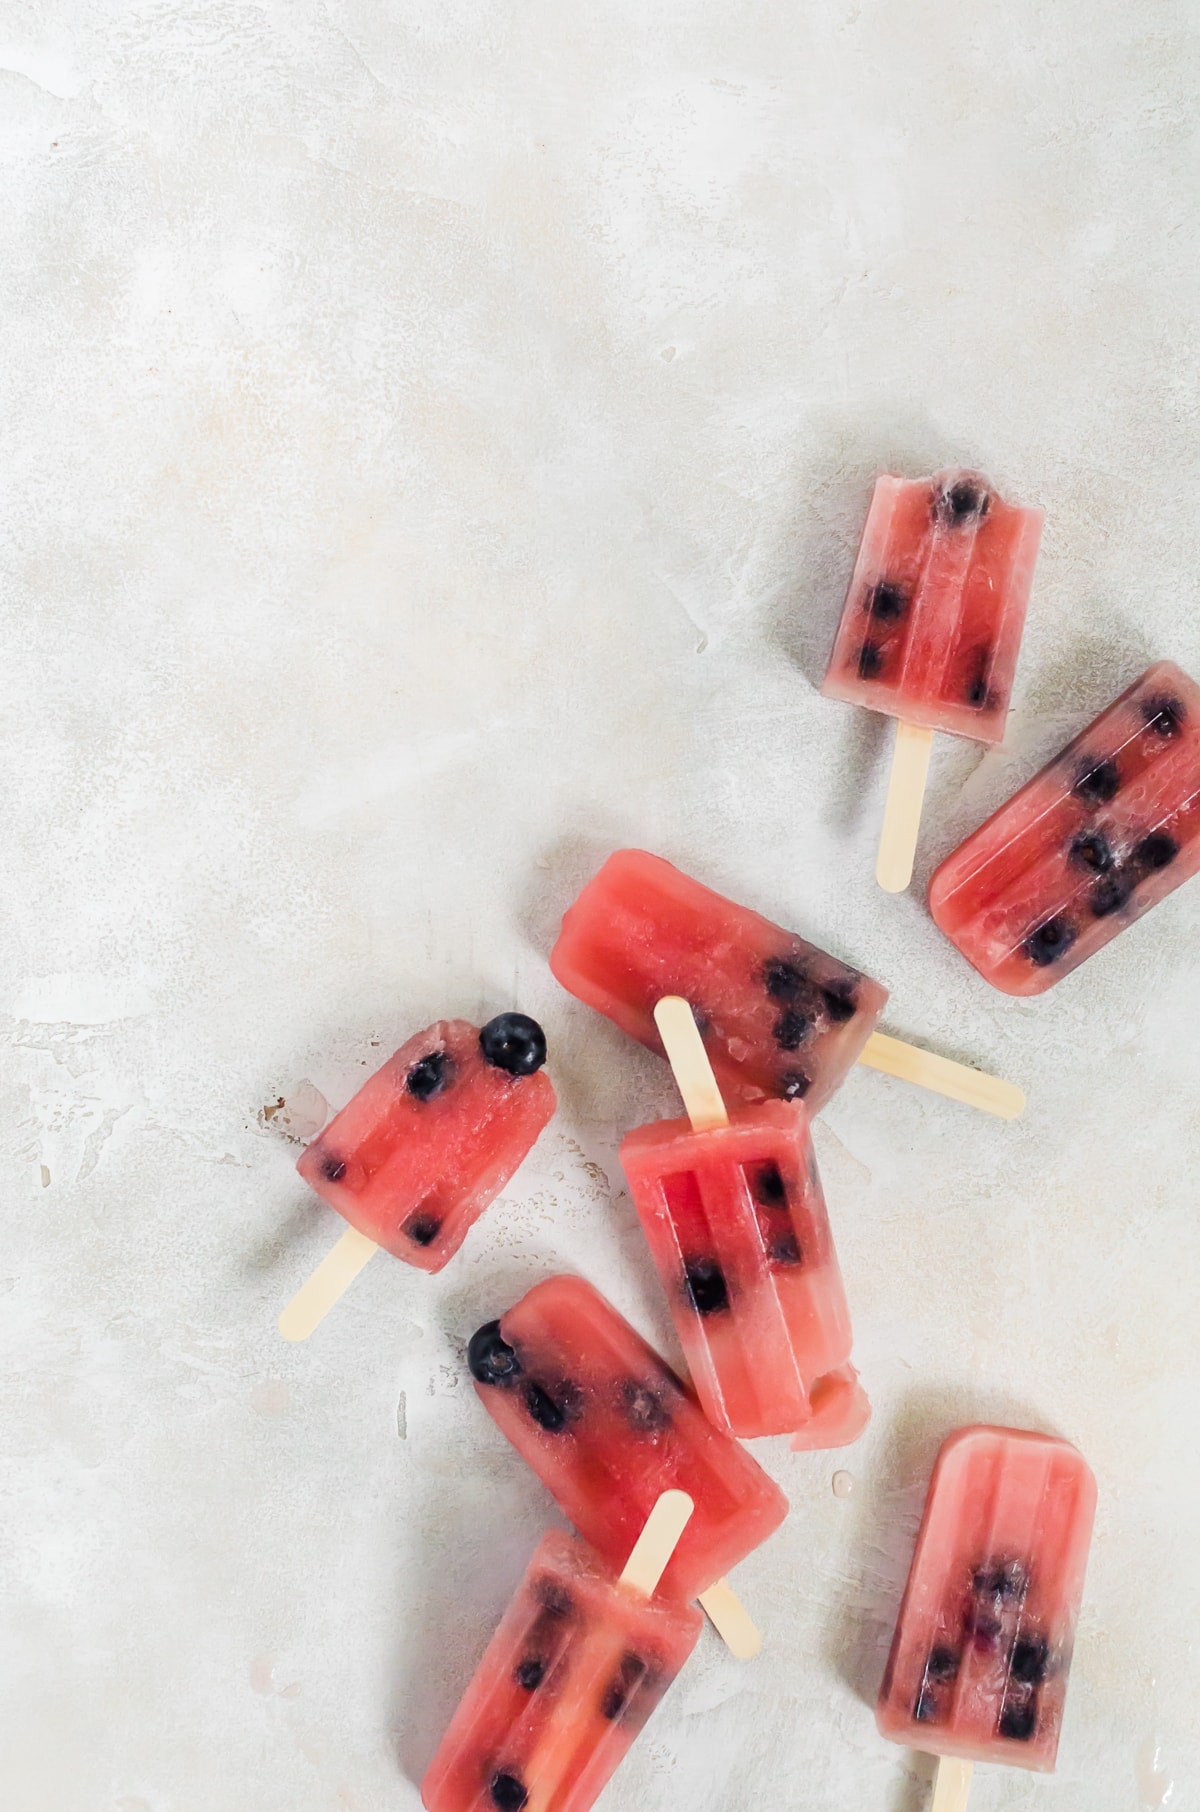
(1029,1657)
(491,1359)
(769,1186)
(790,1030)
(631,1670)
(1050,941)
(1110,894)
(1156,850)
(870,661)
(982,1627)
(424,1228)
(508,1793)
(976,691)
(1018,1721)
(333,1169)
(955,505)
(785,1250)
(942,1663)
(430,1075)
(706,1287)
(887,601)
(1098,782)
(548,1414)
(925,1709)
(554,1598)
(1093,851)
(839,1000)
(783,979)
(644,1408)
(1000,1579)
(1164,715)
(794,1085)
(529,1672)
(514,1042)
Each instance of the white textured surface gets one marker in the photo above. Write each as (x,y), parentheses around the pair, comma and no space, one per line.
(436,439)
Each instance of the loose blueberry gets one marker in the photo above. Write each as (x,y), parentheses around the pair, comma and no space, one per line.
(631,1671)
(942,1663)
(508,1793)
(794,1085)
(1164,715)
(1110,894)
(706,1286)
(769,1186)
(959,503)
(887,601)
(1049,942)
(925,1709)
(1093,851)
(870,661)
(785,1250)
(424,1228)
(333,1169)
(1029,1657)
(545,1411)
(1098,782)
(783,979)
(514,1042)
(1019,1722)
(529,1672)
(491,1359)
(1156,851)
(430,1075)
(790,1030)
(644,1408)
(839,1000)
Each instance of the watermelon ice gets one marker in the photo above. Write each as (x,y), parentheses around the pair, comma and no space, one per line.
(1105,831)
(933,617)
(736,1223)
(571,1675)
(608,1427)
(432,1137)
(779,1017)
(978,1664)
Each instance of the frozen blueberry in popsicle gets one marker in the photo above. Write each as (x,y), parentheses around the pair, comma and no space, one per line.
(979,1660)
(736,1224)
(608,1427)
(779,1017)
(432,1137)
(1105,831)
(560,1693)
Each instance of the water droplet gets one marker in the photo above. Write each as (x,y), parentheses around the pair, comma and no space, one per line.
(262,1671)
(1155,1786)
(271,1398)
(402,1417)
(45,1176)
(843,1484)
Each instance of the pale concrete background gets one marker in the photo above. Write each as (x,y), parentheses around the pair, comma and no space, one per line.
(436,441)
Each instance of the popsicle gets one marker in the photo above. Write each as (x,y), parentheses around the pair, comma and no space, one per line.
(1104,832)
(779,1017)
(607,1426)
(931,627)
(979,1660)
(732,1209)
(424,1146)
(579,1662)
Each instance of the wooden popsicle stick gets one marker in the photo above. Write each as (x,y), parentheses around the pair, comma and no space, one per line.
(331,1279)
(657,1542)
(689,1060)
(910,1063)
(731,1620)
(951,1784)
(902,813)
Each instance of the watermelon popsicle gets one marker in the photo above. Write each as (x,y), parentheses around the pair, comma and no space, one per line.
(978,1665)
(780,1019)
(579,1662)
(607,1427)
(931,628)
(732,1209)
(427,1142)
(1104,832)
